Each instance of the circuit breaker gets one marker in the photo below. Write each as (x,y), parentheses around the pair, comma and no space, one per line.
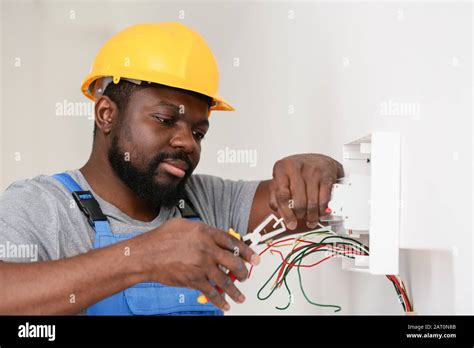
(365,203)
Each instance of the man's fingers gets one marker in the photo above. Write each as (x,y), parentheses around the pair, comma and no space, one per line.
(273,203)
(284,201)
(298,194)
(213,295)
(239,248)
(312,209)
(232,263)
(325,194)
(226,284)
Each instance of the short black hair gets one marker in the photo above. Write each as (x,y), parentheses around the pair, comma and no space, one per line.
(120,93)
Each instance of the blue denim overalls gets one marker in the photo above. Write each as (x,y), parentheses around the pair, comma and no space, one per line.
(148,298)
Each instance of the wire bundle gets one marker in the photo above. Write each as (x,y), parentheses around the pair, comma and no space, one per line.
(401,292)
(334,246)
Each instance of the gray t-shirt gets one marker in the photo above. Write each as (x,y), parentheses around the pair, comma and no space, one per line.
(40,221)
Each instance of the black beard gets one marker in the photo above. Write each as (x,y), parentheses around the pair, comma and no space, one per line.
(143,182)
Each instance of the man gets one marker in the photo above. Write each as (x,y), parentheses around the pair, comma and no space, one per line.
(110,236)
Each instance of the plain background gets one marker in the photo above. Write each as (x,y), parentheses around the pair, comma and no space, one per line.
(310,77)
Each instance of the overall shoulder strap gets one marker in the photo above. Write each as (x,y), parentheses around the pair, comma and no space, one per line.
(187,209)
(86,203)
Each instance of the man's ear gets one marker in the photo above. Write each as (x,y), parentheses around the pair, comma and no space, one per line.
(106,113)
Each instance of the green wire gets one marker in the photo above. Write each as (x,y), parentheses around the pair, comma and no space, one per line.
(298,259)
(289,298)
(338,308)
(302,253)
(264,285)
(286,271)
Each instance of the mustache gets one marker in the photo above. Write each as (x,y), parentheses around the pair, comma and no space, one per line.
(155,162)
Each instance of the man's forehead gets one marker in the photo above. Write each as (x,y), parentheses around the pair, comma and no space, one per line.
(163,96)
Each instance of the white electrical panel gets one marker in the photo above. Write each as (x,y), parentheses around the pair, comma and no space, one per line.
(365,203)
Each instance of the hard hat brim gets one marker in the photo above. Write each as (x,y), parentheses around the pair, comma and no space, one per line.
(219,104)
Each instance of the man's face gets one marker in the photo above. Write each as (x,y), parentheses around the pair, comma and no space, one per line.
(157,143)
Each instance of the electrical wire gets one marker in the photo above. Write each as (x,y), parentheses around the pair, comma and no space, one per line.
(333,244)
(299,257)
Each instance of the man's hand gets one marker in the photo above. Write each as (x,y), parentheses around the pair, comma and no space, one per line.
(187,253)
(301,187)
(299,191)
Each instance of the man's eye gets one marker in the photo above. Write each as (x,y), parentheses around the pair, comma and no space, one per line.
(199,135)
(162,119)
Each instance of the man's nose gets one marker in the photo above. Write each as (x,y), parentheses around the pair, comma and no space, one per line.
(183,138)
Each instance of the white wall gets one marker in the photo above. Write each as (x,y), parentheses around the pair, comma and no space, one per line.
(339,65)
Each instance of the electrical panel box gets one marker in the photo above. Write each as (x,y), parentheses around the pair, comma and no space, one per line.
(365,203)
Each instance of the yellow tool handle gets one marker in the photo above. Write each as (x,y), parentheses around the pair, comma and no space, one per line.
(202,299)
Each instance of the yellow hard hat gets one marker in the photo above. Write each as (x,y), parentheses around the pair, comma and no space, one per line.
(167,53)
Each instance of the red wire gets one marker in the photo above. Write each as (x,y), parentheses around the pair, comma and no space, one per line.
(403,294)
(282,267)
(304,266)
(314,264)
(273,244)
(397,284)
